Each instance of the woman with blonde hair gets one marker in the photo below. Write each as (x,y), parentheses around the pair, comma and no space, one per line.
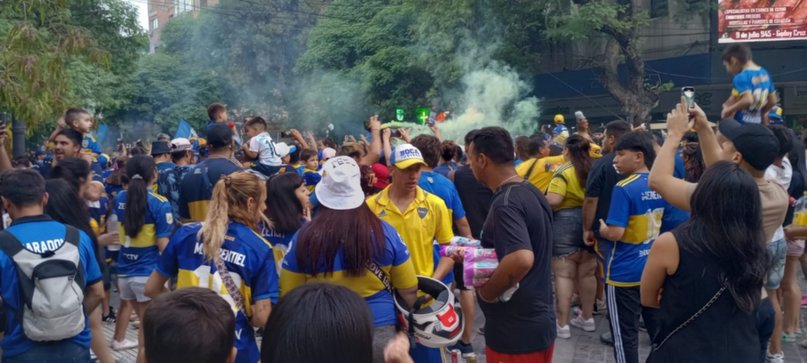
(226,254)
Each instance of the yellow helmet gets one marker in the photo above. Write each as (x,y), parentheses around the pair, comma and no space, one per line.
(559,119)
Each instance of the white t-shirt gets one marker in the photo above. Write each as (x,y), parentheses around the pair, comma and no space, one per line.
(782,176)
(265,147)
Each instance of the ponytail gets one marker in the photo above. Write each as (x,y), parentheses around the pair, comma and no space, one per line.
(140,170)
(229,203)
(215,226)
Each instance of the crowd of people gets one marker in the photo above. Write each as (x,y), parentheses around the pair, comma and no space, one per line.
(302,250)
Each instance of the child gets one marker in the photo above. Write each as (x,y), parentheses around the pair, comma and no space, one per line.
(753,93)
(310,161)
(81,121)
(634,221)
(261,148)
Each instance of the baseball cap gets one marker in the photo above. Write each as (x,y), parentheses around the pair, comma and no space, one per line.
(284,149)
(328,153)
(181,144)
(406,155)
(219,135)
(775,114)
(159,148)
(755,142)
(340,187)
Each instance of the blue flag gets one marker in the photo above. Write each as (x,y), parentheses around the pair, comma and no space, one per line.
(101,133)
(185,130)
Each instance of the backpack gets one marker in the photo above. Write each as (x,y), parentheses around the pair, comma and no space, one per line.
(51,287)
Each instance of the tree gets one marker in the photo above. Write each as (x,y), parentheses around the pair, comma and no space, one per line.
(37,37)
(620,23)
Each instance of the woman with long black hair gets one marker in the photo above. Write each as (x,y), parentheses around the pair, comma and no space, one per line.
(573,263)
(287,207)
(707,274)
(65,206)
(346,244)
(145,221)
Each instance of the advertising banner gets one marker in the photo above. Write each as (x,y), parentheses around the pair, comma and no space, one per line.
(761,20)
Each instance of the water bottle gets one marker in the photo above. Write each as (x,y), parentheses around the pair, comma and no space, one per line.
(800,212)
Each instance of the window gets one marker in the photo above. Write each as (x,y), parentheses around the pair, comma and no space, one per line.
(658,8)
(155,23)
(182,6)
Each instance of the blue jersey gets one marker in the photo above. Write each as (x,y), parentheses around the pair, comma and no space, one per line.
(638,209)
(38,234)
(138,255)
(251,266)
(89,145)
(759,84)
(440,186)
(395,262)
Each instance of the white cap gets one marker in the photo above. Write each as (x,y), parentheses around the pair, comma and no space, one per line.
(328,153)
(181,144)
(284,149)
(340,188)
(406,155)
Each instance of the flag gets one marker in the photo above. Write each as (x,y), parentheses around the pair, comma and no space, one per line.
(101,133)
(185,130)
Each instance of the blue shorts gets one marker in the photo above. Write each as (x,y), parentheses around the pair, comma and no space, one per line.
(778,251)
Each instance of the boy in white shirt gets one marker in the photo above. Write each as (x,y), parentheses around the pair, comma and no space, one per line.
(261,148)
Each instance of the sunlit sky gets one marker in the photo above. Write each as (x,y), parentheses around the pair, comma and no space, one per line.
(142,12)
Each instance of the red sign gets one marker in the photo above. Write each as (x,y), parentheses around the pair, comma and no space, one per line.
(761,20)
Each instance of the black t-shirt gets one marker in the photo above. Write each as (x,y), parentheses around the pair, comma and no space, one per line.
(475,198)
(520,219)
(600,184)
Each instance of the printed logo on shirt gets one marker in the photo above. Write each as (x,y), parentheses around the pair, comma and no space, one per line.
(422,211)
(382,214)
(44,246)
(169,217)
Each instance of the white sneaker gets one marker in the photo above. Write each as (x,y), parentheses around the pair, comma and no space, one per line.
(586,325)
(564,332)
(775,358)
(125,344)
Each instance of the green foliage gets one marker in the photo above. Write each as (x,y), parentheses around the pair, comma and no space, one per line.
(60,54)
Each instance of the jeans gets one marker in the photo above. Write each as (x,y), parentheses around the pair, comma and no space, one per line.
(55,352)
(765,323)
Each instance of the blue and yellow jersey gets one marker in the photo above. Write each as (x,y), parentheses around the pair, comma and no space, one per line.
(38,234)
(559,135)
(251,266)
(425,220)
(138,255)
(196,187)
(90,146)
(638,209)
(278,241)
(395,262)
(759,84)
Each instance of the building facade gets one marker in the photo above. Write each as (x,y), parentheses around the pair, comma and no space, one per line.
(162,11)
(682,52)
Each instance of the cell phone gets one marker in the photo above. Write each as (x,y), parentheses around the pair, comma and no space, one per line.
(689,95)
(395,133)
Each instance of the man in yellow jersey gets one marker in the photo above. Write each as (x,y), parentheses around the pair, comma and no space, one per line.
(540,167)
(420,218)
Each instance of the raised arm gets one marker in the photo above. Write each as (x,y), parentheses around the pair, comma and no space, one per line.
(374,153)
(675,191)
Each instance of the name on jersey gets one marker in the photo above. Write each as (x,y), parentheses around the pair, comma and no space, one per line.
(760,79)
(44,246)
(650,195)
(226,255)
(121,205)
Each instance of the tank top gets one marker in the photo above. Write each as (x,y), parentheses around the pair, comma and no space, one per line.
(723,333)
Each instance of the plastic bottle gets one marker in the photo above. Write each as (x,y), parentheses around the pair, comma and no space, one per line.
(800,212)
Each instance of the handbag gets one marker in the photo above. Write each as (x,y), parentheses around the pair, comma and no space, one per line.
(657,346)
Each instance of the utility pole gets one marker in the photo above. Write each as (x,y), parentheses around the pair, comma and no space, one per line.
(18,136)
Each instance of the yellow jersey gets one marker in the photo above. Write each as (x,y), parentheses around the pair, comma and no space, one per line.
(539,171)
(425,220)
(564,182)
